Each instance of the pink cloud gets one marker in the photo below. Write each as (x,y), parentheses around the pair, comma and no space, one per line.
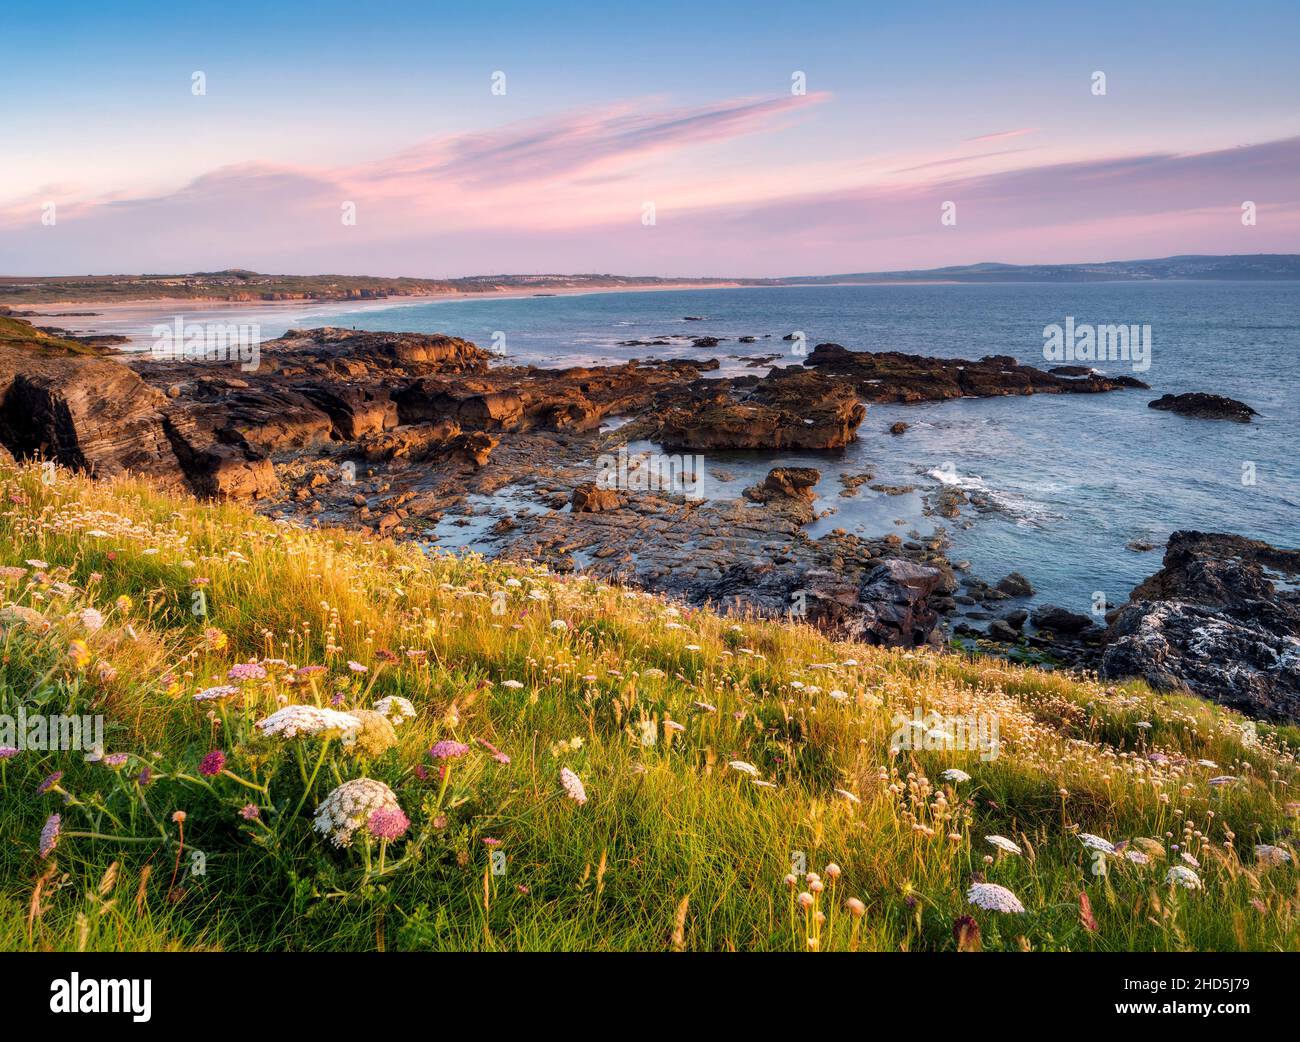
(999,135)
(565,193)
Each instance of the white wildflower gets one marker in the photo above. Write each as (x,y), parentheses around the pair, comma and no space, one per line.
(396,709)
(573,787)
(315,721)
(1004,844)
(743,767)
(209,694)
(348,808)
(994,898)
(955,774)
(1181,875)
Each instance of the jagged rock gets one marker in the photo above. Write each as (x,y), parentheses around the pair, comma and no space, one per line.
(788,491)
(898,428)
(1001,630)
(788,409)
(890,376)
(895,611)
(1015,585)
(590,498)
(1204,407)
(1059,620)
(354,411)
(328,344)
(786,482)
(1221,619)
(86,413)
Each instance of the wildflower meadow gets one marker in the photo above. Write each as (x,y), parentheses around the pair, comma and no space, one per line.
(319,740)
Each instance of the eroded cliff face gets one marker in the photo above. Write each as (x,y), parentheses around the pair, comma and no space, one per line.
(86,413)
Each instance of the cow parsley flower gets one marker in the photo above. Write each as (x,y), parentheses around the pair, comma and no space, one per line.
(1181,875)
(743,767)
(396,708)
(313,721)
(955,775)
(210,694)
(1096,843)
(1004,844)
(994,898)
(573,787)
(351,806)
(91,619)
(1271,855)
(375,736)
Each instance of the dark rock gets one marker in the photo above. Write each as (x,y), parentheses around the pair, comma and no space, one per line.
(1003,631)
(1015,585)
(890,376)
(1221,619)
(1059,620)
(1205,407)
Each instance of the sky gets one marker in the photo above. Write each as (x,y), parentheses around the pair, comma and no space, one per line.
(691,139)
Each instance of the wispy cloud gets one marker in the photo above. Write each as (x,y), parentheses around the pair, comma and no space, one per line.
(1001,134)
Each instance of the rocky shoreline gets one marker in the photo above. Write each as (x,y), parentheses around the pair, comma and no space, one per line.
(421,437)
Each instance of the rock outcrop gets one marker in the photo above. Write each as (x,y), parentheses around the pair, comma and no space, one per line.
(790,408)
(1220,619)
(86,413)
(1204,406)
(890,376)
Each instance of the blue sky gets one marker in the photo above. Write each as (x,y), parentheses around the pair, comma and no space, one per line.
(314,100)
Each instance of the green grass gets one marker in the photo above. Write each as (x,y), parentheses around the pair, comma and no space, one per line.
(673,848)
(16,332)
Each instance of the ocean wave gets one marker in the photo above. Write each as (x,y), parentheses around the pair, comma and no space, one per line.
(1021,509)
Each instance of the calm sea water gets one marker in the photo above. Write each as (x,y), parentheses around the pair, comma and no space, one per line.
(1075,477)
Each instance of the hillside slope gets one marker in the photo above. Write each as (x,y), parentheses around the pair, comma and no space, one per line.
(579,767)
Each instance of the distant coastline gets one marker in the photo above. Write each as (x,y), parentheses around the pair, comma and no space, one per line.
(249,288)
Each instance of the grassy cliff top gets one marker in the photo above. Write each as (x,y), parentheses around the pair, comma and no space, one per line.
(487,756)
(17,332)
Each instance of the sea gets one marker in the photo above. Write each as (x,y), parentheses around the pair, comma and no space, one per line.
(1069,482)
